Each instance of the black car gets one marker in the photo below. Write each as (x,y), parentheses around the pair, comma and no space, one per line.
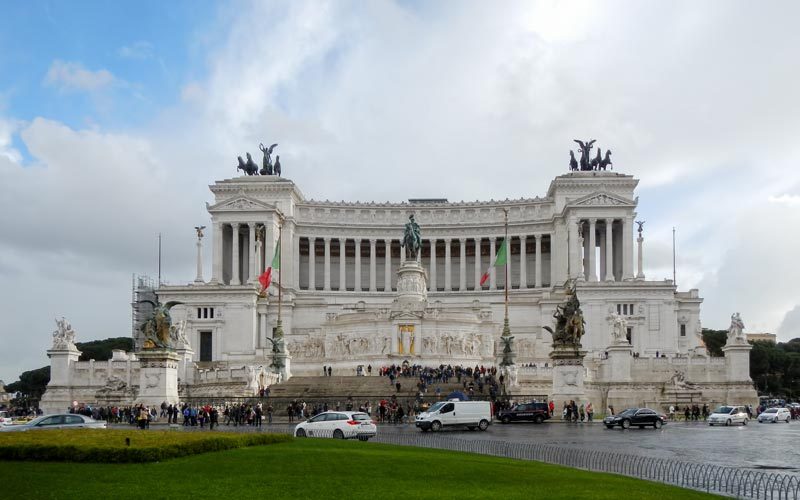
(639,417)
(534,412)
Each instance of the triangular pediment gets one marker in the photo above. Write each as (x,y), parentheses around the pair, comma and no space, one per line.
(240,204)
(602,199)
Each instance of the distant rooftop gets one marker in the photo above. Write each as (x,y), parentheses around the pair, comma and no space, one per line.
(419,201)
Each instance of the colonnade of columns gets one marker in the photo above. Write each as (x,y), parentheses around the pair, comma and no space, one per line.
(448,274)
(614,239)
(242,251)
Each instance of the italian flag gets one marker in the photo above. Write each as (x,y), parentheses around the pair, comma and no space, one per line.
(266,278)
(499,261)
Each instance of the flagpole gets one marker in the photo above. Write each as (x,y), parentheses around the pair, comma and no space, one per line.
(505,266)
(279,329)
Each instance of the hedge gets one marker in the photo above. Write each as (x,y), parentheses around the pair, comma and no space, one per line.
(110,446)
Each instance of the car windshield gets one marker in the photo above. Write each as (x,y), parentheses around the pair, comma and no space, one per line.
(772,410)
(361,417)
(723,409)
(436,406)
(37,420)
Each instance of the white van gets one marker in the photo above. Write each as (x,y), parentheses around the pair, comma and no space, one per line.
(469,414)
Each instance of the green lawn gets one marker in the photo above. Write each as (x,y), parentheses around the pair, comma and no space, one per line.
(316,468)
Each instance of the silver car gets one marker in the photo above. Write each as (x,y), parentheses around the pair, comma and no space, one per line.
(63,421)
(728,415)
(775,415)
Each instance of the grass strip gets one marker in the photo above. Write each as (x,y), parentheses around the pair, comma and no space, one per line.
(122,446)
(317,468)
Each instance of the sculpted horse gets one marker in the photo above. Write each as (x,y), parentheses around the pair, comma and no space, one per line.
(573,163)
(605,162)
(595,164)
(246,167)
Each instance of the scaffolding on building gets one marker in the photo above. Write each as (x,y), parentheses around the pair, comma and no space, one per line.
(142,288)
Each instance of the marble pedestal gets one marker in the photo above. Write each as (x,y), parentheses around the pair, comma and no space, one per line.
(282,364)
(619,362)
(158,377)
(411,282)
(568,373)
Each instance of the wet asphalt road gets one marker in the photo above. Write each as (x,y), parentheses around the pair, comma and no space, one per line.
(774,447)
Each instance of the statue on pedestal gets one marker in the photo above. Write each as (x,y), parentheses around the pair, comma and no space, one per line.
(736,330)
(569,322)
(158,331)
(64,335)
(412,239)
(619,328)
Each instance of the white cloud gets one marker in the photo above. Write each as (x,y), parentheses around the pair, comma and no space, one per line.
(7,129)
(387,102)
(137,50)
(70,76)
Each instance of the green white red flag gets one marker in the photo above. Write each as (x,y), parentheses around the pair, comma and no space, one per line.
(499,261)
(266,277)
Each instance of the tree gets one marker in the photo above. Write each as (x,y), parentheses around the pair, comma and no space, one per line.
(715,340)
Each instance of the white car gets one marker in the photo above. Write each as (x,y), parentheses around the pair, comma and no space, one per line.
(5,418)
(63,421)
(339,425)
(775,415)
(728,415)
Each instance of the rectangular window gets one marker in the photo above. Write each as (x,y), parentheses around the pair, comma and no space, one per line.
(199,313)
(683,330)
(211,313)
(630,335)
(205,346)
(625,309)
(630,310)
(619,308)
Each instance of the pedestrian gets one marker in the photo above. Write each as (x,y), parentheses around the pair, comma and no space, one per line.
(213,418)
(269,413)
(589,411)
(672,412)
(582,412)
(324,370)
(330,371)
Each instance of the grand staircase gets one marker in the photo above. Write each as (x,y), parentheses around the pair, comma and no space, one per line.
(369,387)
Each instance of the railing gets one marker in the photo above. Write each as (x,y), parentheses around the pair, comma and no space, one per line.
(738,483)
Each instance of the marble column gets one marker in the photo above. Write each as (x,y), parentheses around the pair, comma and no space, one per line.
(199,278)
(432,280)
(326,279)
(575,268)
(251,257)
(387,275)
(447,265)
(609,250)
(462,265)
(342,265)
(478,270)
(372,265)
(538,270)
(357,286)
(216,262)
(523,264)
(627,248)
(235,257)
(402,253)
(592,250)
(312,263)
(640,273)
(492,273)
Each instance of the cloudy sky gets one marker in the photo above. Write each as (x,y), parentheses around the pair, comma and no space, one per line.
(115,118)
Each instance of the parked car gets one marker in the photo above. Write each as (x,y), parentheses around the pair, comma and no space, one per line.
(640,417)
(65,421)
(339,425)
(775,415)
(5,418)
(728,415)
(531,412)
(470,414)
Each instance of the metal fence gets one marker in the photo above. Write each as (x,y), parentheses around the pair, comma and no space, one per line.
(739,483)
